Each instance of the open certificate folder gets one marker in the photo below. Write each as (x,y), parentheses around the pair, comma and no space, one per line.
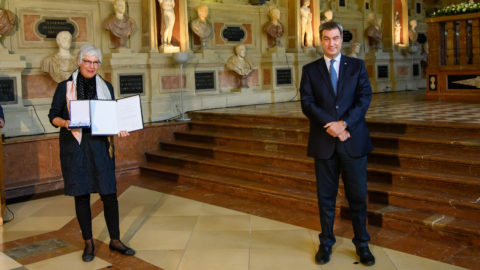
(107,117)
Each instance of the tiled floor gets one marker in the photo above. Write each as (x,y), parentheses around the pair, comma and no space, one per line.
(176,226)
(172,232)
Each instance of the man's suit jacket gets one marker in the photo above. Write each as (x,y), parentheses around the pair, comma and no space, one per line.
(321,106)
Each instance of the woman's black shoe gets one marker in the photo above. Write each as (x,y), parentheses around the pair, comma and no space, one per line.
(88,251)
(121,248)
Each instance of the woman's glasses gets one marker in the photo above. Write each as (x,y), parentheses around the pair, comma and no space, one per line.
(90,63)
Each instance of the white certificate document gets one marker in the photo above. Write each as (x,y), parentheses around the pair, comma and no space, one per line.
(79,114)
(109,117)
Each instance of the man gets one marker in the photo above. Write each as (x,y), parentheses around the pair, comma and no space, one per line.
(335,94)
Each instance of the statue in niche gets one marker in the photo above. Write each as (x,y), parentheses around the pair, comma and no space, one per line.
(120,25)
(201,26)
(60,65)
(239,64)
(168,21)
(327,16)
(412,33)
(397,29)
(274,28)
(306,24)
(355,49)
(7,21)
(374,32)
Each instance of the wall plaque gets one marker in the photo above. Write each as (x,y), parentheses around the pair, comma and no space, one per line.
(284,76)
(8,91)
(204,80)
(131,84)
(416,70)
(347,36)
(382,71)
(50,27)
(233,33)
(422,38)
(341,3)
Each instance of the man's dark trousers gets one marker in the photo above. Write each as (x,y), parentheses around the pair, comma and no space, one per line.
(354,176)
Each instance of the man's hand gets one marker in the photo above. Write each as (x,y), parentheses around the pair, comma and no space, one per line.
(2,123)
(344,136)
(335,128)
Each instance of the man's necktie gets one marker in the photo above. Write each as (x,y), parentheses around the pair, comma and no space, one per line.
(333,76)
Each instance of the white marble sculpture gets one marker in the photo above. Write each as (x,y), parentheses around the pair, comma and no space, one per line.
(306,24)
(397,29)
(274,28)
(412,32)
(374,32)
(7,22)
(201,26)
(60,65)
(168,20)
(238,63)
(121,26)
(327,16)
(355,49)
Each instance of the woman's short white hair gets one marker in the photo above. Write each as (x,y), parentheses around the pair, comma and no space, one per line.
(89,50)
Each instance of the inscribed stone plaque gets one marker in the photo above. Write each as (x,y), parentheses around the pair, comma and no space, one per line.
(49,28)
(341,3)
(204,80)
(416,70)
(422,38)
(233,33)
(347,36)
(8,91)
(419,8)
(284,76)
(382,71)
(131,84)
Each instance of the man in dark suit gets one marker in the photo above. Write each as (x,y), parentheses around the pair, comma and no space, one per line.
(335,95)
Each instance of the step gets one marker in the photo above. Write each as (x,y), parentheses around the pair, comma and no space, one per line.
(421,179)
(254,172)
(273,159)
(265,131)
(250,119)
(265,192)
(243,142)
(430,224)
(430,145)
(441,163)
(430,129)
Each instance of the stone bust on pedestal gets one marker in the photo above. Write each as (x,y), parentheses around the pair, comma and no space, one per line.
(239,63)
(121,26)
(201,26)
(7,22)
(374,32)
(60,65)
(274,28)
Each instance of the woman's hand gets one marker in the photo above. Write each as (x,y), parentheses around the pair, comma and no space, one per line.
(123,133)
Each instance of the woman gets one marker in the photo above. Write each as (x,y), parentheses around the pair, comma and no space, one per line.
(88,164)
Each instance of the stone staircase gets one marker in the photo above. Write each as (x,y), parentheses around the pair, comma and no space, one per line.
(422,177)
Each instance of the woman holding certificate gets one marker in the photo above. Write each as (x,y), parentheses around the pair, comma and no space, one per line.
(88,163)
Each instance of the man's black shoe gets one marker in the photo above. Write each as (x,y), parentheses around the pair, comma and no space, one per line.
(323,255)
(366,257)
(88,251)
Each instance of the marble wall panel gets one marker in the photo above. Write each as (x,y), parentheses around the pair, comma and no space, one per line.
(38,86)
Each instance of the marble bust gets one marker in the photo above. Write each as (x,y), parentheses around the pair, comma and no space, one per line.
(238,63)
(60,65)
(7,21)
(120,25)
(274,28)
(327,16)
(374,32)
(168,20)
(355,50)
(306,34)
(201,26)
